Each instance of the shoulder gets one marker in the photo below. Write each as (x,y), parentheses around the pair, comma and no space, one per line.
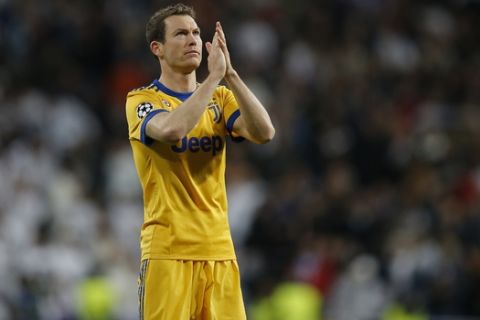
(141,101)
(222,93)
(148,90)
(146,94)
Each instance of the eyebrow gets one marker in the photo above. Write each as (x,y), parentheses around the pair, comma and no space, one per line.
(184,29)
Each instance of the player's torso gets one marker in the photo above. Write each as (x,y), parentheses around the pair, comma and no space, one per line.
(184,189)
(205,142)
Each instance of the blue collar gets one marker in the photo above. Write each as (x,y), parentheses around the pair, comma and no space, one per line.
(179,95)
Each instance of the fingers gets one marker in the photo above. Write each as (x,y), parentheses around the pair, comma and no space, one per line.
(218,40)
(221,37)
(210,45)
(216,44)
(219,30)
(222,44)
(215,39)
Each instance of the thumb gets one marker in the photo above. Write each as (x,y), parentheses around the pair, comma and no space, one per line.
(208,46)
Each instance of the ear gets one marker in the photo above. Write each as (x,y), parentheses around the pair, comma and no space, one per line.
(156,48)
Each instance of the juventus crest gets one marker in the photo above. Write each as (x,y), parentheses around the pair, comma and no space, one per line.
(215,109)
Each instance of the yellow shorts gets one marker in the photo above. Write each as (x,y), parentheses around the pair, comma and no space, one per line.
(186,289)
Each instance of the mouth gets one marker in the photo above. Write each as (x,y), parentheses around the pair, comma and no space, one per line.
(192,52)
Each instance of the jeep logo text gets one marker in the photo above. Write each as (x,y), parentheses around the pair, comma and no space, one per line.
(206,144)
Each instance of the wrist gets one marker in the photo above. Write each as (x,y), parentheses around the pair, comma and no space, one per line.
(230,74)
(214,78)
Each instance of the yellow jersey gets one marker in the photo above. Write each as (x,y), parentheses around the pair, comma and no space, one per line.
(184,193)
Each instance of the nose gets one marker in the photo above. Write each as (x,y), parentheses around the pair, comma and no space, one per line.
(192,39)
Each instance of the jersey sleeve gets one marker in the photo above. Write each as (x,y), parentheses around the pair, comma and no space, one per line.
(140,108)
(230,113)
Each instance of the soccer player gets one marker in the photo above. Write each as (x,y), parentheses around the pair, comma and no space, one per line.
(177,129)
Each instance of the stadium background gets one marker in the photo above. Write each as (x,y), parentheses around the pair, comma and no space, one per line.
(365,206)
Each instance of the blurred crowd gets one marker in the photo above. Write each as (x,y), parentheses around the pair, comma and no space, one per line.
(365,205)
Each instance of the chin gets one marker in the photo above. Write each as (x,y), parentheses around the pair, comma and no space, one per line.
(190,66)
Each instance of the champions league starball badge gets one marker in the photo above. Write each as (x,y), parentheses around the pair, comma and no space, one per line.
(143,109)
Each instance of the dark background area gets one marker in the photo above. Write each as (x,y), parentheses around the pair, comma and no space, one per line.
(366,204)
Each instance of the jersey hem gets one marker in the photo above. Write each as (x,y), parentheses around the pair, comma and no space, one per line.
(182,257)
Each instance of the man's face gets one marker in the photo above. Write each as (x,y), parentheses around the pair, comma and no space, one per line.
(182,49)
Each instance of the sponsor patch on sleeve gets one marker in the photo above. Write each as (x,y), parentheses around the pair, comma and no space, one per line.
(143,109)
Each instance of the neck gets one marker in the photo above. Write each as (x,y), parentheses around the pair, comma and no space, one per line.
(177,81)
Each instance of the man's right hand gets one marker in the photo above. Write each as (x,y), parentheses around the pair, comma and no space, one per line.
(217,65)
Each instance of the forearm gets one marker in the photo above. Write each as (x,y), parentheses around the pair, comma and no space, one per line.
(255,121)
(173,126)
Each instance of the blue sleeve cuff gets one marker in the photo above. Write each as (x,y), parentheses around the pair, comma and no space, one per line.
(146,140)
(230,123)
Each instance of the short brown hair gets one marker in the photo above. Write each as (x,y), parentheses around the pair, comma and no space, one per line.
(155,30)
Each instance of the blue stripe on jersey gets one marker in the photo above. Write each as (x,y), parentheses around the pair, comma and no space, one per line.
(146,140)
(230,123)
(179,95)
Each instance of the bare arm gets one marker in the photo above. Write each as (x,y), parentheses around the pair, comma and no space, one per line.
(254,122)
(172,126)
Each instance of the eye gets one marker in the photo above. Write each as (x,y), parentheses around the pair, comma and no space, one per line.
(181,33)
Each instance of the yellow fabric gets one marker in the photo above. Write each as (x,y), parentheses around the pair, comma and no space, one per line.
(184,191)
(175,289)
